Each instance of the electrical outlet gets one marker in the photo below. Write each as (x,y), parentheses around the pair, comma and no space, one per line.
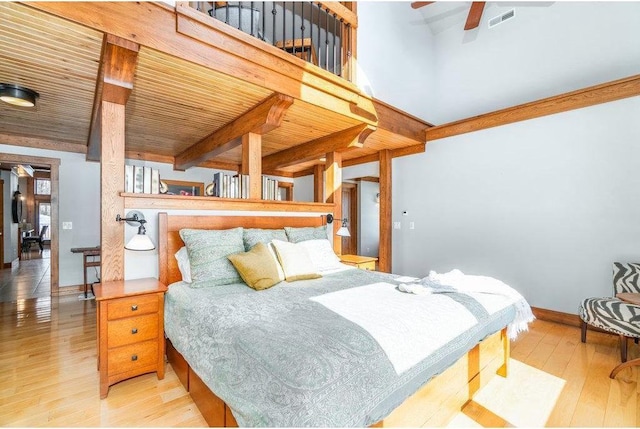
(396,225)
(67,225)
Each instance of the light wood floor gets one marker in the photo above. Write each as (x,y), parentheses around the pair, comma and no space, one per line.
(31,279)
(48,377)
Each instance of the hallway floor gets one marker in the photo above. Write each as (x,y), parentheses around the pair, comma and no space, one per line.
(31,279)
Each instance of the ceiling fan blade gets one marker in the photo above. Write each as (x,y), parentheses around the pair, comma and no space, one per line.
(475,14)
(419,4)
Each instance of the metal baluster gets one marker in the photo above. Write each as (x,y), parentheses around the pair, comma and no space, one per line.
(311,32)
(226,21)
(240,15)
(349,53)
(264,21)
(334,43)
(326,39)
(340,64)
(293,26)
(284,22)
(251,14)
(274,12)
(302,28)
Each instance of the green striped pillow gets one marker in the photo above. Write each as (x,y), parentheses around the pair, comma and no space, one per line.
(208,251)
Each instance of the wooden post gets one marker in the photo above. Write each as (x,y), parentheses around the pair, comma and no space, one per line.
(318,183)
(333,191)
(252,163)
(384,253)
(112,183)
(113,88)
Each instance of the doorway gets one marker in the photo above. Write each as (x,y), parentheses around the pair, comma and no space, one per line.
(350,213)
(48,204)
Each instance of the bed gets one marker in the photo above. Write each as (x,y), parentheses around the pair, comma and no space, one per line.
(297,354)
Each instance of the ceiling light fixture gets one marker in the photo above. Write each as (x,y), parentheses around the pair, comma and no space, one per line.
(18,95)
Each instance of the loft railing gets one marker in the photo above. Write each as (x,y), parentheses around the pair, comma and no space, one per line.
(320,33)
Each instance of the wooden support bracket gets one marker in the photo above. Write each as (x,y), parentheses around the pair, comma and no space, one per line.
(260,119)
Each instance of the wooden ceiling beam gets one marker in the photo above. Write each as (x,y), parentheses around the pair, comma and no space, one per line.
(475,15)
(260,119)
(42,143)
(398,122)
(114,84)
(340,141)
(603,93)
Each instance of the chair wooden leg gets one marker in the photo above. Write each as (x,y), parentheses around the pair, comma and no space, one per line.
(583,331)
(623,348)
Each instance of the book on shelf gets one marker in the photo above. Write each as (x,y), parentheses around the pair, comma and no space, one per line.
(128,178)
(155,181)
(146,184)
(138,179)
(230,186)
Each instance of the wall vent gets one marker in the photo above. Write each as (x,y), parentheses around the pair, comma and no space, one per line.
(502,18)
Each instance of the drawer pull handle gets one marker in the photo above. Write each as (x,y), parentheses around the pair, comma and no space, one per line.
(134,358)
(134,307)
(134,331)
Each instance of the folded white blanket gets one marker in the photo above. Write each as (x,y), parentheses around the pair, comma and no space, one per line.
(457,280)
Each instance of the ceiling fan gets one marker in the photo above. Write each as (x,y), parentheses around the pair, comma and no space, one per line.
(473,19)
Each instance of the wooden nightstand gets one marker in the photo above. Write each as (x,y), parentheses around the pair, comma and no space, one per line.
(361,262)
(130,330)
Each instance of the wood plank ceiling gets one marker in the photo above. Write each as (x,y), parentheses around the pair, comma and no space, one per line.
(57,59)
(174,103)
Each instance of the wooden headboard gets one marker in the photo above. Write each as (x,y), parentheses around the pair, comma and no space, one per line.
(169,241)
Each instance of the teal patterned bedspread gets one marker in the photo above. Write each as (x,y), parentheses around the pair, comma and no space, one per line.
(278,359)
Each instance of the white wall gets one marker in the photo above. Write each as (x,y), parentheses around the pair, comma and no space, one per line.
(392,34)
(547,204)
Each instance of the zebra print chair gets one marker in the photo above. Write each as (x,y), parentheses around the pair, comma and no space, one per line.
(612,314)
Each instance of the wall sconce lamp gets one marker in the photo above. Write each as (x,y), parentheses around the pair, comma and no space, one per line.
(18,95)
(343,231)
(329,217)
(140,241)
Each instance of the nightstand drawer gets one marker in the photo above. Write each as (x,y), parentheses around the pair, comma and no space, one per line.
(132,306)
(370,266)
(132,357)
(131,330)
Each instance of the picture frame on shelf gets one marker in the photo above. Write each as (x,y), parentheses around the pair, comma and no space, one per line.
(181,187)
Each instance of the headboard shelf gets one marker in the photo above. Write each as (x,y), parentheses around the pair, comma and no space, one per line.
(186,202)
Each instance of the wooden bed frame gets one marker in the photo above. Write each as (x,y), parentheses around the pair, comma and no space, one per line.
(432,405)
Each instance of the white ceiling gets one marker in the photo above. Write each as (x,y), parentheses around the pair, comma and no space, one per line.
(443,15)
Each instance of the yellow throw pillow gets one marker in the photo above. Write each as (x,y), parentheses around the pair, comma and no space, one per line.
(256,267)
(295,261)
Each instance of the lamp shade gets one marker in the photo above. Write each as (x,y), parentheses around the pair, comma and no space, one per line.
(343,232)
(140,242)
(18,95)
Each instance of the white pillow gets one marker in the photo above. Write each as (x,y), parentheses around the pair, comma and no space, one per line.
(295,261)
(321,254)
(183,264)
